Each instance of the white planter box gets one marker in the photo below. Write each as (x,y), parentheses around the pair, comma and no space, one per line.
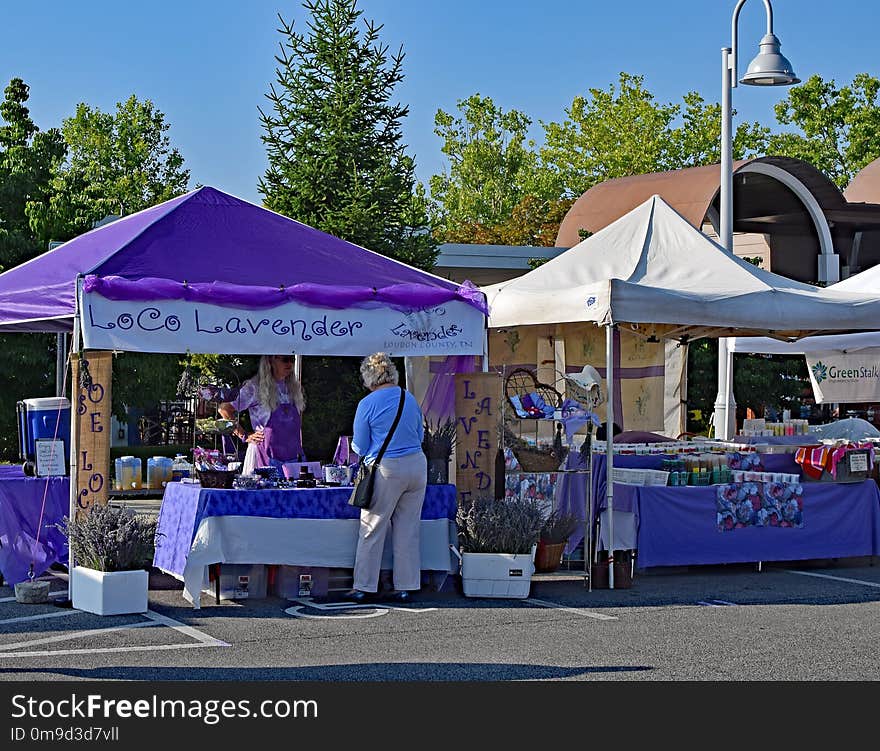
(497,574)
(109,592)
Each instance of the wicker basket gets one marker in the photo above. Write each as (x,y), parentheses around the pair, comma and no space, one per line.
(538,459)
(216,478)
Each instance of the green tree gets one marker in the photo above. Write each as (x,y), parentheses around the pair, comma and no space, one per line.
(117,163)
(337,162)
(624,131)
(493,191)
(840,125)
(333,137)
(27,160)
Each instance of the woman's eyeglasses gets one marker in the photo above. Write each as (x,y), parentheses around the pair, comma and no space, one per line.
(284,358)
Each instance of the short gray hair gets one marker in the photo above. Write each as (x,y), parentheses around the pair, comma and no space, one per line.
(378,369)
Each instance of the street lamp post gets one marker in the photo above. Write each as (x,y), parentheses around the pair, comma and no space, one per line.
(769,68)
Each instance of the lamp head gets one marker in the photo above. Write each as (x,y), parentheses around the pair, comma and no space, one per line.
(770,67)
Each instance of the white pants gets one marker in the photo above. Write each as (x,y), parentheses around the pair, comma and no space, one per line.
(398,495)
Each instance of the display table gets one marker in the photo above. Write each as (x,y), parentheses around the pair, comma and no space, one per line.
(678,526)
(21,500)
(199,527)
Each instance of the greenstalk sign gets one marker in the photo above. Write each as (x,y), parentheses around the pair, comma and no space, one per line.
(845,376)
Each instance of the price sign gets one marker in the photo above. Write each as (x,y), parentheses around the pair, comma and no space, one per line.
(50,457)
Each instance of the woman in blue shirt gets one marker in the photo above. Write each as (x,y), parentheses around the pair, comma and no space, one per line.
(399,490)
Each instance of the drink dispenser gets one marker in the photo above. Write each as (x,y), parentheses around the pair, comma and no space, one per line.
(158,472)
(128,473)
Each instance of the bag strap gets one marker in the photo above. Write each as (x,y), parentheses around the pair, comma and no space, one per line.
(393,428)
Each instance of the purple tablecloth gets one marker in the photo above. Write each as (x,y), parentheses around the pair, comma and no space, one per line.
(21,500)
(184,505)
(678,526)
(571,490)
(771,462)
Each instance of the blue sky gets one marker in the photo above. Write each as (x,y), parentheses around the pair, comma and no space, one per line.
(208,64)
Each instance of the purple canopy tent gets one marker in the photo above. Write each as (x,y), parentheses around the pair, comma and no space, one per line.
(209,272)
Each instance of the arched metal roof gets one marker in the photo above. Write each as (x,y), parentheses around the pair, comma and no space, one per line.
(690,191)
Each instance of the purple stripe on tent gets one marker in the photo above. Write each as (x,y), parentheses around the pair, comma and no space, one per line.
(398,296)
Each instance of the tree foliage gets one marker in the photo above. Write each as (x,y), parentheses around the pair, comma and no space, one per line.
(501,189)
(337,162)
(333,136)
(622,131)
(494,191)
(840,126)
(117,164)
(27,159)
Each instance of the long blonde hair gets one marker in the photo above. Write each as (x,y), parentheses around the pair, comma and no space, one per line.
(268,391)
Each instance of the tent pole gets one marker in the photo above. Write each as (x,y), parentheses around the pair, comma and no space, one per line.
(74,431)
(60,362)
(485,350)
(298,367)
(609,446)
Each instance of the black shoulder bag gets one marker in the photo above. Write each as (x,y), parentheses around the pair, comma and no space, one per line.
(362,495)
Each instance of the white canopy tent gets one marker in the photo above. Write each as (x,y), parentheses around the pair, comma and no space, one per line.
(867,282)
(850,359)
(656,273)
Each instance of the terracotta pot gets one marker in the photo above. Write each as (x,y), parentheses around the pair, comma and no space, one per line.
(548,556)
(622,575)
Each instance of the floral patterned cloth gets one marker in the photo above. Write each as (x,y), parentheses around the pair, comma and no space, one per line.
(750,461)
(759,504)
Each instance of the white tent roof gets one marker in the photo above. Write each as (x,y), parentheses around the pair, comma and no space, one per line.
(652,267)
(867,282)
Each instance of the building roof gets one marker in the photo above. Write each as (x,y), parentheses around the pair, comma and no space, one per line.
(692,193)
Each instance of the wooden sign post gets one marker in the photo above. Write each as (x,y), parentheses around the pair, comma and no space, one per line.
(477,413)
(91,421)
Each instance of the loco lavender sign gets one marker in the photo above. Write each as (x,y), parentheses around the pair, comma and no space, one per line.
(451,328)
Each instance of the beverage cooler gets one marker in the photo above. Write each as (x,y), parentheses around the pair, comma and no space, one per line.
(37,418)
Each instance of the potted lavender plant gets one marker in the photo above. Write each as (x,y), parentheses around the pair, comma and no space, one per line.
(112,550)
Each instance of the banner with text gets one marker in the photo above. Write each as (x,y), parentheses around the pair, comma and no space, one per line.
(845,377)
(91,421)
(452,328)
(476,430)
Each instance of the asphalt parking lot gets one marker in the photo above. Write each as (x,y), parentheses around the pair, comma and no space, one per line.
(799,621)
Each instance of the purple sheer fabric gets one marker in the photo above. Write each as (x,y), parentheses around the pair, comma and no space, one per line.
(438,403)
(21,500)
(398,296)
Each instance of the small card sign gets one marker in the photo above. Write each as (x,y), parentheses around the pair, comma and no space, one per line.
(858,462)
(50,457)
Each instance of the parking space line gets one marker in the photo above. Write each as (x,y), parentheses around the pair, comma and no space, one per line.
(182,628)
(105,650)
(576,611)
(59,593)
(153,620)
(835,578)
(39,617)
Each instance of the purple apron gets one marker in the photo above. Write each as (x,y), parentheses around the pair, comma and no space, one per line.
(282,437)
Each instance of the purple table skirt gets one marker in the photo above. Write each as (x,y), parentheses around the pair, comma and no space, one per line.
(678,526)
(571,492)
(21,500)
(185,505)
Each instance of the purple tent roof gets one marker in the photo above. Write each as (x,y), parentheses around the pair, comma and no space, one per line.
(212,244)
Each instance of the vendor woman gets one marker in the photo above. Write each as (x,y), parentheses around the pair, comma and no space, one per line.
(275,402)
